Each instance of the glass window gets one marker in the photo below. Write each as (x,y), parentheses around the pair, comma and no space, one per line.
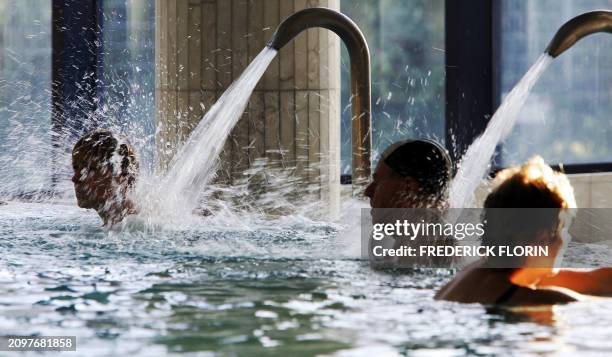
(25,94)
(127,86)
(406,40)
(567,116)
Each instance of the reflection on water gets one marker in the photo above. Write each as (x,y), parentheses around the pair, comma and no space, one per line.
(283,289)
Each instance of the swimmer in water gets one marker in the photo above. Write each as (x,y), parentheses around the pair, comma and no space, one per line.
(410,180)
(411,174)
(105,172)
(521,192)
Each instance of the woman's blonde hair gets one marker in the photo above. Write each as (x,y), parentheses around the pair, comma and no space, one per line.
(531,185)
(526,200)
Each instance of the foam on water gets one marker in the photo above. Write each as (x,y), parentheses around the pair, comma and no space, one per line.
(476,162)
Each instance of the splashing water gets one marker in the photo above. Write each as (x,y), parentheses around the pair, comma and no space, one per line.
(477,159)
(194,166)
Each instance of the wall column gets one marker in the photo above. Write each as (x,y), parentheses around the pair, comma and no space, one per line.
(293,117)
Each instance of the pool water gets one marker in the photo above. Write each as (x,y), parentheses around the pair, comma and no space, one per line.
(289,287)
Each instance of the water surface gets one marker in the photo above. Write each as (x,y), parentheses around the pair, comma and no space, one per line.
(290,287)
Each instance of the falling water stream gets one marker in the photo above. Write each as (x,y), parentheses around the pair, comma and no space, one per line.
(476,162)
(195,163)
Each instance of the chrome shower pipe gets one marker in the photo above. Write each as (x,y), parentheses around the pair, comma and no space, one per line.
(361,89)
(577,28)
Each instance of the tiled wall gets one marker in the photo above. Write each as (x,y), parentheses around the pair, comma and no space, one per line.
(293,116)
(593,190)
(590,190)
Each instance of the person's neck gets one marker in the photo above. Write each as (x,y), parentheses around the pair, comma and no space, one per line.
(116,212)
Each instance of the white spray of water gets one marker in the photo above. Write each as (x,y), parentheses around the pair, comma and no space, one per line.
(477,159)
(194,166)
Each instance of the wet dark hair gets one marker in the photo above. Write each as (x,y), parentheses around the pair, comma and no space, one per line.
(424,160)
(100,145)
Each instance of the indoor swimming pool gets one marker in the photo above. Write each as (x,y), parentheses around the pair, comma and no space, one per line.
(205,178)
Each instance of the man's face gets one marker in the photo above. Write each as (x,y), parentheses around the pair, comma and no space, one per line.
(93,181)
(390,190)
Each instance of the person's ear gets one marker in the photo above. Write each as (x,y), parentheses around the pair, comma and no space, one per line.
(409,189)
(125,180)
(411,183)
(121,179)
(547,237)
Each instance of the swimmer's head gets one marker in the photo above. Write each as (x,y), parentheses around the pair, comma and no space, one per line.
(531,185)
(529,206)
(105,169)
(410,173)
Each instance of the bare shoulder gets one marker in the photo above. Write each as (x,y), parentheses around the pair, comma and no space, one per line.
(441,294)
(460,286)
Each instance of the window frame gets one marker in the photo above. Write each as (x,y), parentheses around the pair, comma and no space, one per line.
(76,59)
(75,67)
(469,71)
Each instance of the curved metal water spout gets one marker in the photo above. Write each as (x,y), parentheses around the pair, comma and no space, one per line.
(577,28)
(359,54)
